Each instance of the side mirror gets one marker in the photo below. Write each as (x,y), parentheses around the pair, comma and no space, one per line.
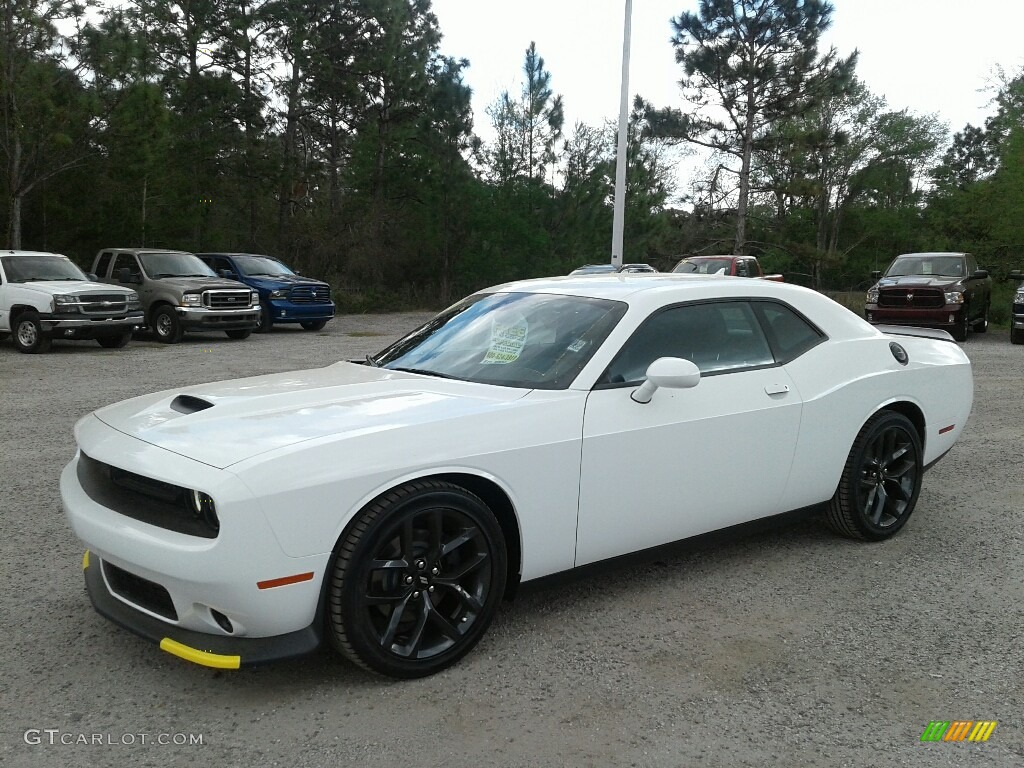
(876,274)
(92,276)
(124,275)
(979,274)
(1016,275)
(227,273)
(669,372)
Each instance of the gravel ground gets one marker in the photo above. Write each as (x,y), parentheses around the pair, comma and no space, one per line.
(786,647)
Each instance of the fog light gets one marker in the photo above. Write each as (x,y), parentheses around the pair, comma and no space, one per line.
(222,621)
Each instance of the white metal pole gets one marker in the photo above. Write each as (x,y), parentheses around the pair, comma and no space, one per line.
(619,218)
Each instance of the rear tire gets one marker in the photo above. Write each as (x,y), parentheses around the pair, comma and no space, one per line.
(416,580)
(881,480)
(982,325)
(29,336)
(115,342)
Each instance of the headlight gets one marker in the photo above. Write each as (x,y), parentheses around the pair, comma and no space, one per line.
(254,298)
(282,294)
(132,297)
(1018,298)
(65,303)
(203,507)
(191,300)
(954,297)
(872,297)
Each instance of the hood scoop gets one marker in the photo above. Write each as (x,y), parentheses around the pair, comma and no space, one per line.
(189,404)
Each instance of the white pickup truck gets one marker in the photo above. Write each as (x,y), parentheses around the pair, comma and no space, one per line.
(45,296)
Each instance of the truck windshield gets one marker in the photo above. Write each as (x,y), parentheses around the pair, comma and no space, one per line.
(251,266)
(947,266)
(174,265)
(41,266)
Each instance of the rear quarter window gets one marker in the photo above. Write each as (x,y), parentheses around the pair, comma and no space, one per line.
(789,333)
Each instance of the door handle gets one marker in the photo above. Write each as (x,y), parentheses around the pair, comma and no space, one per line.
(776,389)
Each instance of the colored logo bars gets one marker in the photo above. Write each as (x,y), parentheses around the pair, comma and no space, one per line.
(958,730)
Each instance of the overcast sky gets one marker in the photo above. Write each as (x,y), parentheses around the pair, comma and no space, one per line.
(931,56)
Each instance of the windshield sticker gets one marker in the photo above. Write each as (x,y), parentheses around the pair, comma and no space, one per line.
(577,345)
(507,341)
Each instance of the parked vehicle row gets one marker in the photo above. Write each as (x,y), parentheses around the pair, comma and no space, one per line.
(45,296)
(737,266)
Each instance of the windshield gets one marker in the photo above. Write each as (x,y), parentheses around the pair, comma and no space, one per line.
(251,266)
(947,266)
(42,266)
(703,266)
(531,340)
(174,265)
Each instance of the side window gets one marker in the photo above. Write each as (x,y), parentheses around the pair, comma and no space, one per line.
(126,261)
(741,268)
(222,263)
(789,333)
(972,264)
(103,264)
(717,337)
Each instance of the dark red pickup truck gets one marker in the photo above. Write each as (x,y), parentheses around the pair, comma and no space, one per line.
(737,266)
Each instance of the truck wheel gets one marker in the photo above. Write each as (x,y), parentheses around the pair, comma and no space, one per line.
(1017,335)
(29,336)
(242,333)
(982,325)
(266,322)
(963,325)
(115,342)
(313,325)
(166,325)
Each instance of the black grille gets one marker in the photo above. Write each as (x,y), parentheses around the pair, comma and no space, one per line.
(145,499)
(227,299)
(310,294)
(104,303)
(912,298)
(139,591)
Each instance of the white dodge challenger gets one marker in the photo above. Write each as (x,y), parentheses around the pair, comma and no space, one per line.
(388,505)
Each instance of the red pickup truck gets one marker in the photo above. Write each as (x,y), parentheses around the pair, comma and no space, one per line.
(738,266)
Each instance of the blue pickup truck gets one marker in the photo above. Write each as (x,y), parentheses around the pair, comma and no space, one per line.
(285,297)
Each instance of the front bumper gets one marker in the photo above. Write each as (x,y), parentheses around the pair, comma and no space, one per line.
(79,327)
(947,317)
(220,652)
(183,588)
(202,318)
(287,312)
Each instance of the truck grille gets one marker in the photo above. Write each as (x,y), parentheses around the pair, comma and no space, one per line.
(227,299)
(103,303)
(310,294)
(912,298)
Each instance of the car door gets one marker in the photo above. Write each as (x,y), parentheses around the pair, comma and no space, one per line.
(680,465)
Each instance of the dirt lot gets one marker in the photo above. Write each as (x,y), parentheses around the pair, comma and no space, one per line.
(788,647)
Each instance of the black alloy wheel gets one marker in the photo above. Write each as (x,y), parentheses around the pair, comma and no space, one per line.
(881,480)
(313,325)
(416,580)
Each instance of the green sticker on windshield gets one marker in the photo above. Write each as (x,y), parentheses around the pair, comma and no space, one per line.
(507,342)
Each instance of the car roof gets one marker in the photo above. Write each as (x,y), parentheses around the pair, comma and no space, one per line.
(934,253)
(148,250)
(31,253)
(237,253)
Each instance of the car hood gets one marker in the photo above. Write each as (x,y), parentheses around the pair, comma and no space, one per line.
(919,281)
(282,281)
(200,283)
(226,422)
(50,287)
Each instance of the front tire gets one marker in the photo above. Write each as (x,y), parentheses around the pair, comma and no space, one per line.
(115,342)
(963,325)
(242,333)
(167,325)
(29,336)
(1017,335)
(416,580)
(313,325)
(881,480)
(266,322)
